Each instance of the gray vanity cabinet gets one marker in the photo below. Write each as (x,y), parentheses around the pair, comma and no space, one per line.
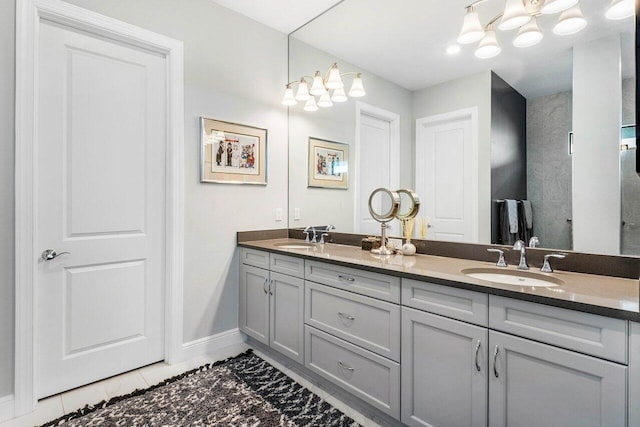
(444,371)
(534,384)
(271,303)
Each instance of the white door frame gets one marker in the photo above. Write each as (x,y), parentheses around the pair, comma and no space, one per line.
(30,15)
(394,143)
(455,115)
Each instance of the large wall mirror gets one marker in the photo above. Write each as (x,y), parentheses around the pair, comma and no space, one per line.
(552,124)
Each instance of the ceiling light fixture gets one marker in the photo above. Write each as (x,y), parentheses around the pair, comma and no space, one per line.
(570,22)
(488,46)
(556,6)
(529,34)
(515,15)
(620,9)
(328,90)
(523,14)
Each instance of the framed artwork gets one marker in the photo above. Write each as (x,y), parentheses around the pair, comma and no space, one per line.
(328,164)
(231,153)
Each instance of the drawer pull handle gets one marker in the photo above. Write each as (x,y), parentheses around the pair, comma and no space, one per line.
(343,366)
(270,284)
(264,286)
(346,278)
(495,359)
(346,316)
(476,358)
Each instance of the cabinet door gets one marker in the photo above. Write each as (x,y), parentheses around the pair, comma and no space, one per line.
(533,384)
(254,302)
(287,317)
(634,374)
(444,371)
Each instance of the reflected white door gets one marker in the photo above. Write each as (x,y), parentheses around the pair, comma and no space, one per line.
(377,154)
(447,174)
(101,130)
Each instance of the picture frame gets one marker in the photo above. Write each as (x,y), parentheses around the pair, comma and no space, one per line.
(232,153)
(328,164)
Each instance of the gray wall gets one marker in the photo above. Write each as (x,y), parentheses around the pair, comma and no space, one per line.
(7,260)
(234,69)
(549,168)
(508,147)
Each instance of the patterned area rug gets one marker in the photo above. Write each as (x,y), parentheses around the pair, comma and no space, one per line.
(241,391)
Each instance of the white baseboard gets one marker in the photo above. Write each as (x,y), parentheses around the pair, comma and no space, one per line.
(211,343)
(6,407)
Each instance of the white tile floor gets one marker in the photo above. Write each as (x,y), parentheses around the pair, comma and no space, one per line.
(60,404)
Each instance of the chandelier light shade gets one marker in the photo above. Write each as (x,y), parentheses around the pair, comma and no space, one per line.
(317,87)
(357,88)
(339,95)
(620,9)
(550,7)
(311,105)
(529,34)
(288,99)
(325,101)
(324,91)
(334,81)
(303,91)
(472,30)
(570,22)
(488,46)
(515,15)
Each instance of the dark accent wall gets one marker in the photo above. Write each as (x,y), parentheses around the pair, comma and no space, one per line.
(508,147)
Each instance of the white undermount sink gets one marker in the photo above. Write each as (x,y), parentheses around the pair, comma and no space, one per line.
(513,277)
(301,245)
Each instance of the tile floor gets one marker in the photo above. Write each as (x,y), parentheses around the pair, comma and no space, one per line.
(60,404)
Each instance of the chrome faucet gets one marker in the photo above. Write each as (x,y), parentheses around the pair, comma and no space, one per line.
(326,233)
(520,246)
(308,230)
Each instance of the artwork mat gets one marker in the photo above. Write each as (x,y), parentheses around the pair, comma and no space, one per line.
(211,173)
(317,145)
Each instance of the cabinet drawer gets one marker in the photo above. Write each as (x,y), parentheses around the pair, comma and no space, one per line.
(584,332)
(363,282)
(254,257)
(367,322)
(460,304)
(372,378)
(287,265)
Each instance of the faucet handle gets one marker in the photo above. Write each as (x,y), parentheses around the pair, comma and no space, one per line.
(322,238)
(306,233)
(501,262)
(546,267)
(534,242)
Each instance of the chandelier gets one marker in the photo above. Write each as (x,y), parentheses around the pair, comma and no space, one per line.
(523,15)
(328,90)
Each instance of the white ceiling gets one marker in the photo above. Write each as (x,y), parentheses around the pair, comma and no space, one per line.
(404,41)
(282,15)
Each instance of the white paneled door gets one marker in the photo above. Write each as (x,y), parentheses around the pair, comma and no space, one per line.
(377,154)
(447,175)
(102,134)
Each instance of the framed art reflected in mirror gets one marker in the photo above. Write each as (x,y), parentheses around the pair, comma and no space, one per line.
(328,164)
(232,153)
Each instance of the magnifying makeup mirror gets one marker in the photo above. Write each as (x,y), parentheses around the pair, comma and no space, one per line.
(383,207)
(409,208)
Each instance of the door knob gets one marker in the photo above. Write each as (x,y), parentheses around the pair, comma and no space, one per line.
(49,254)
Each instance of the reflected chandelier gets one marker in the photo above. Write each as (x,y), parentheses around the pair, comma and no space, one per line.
(523,15)
(328,90)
